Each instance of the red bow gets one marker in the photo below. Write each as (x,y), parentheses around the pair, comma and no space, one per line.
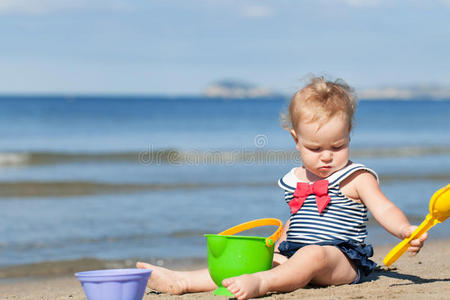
(303,190)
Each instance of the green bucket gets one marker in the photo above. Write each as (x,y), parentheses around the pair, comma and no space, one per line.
(230,256)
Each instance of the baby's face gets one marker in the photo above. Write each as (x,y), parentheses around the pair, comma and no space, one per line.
(324,148)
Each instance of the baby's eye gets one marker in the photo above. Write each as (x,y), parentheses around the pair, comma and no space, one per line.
(338,147)
(314,149)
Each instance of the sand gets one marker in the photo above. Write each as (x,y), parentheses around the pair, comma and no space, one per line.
(425,276)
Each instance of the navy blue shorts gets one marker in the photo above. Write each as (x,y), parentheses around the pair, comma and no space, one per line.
(358,253)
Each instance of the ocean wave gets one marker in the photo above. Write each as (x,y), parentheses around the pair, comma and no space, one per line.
(48,158)
(20,246)
(69,267)
(10,159)
(150,157)
(197,157)
(85,188)
(407,151)
(39,189)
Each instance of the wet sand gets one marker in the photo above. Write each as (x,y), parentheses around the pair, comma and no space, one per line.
(426,276)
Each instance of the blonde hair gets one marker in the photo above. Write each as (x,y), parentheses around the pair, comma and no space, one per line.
(320,100)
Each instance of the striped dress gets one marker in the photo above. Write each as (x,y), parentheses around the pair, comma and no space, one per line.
(343,219)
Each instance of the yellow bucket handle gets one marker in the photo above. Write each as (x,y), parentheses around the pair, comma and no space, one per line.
(270,241)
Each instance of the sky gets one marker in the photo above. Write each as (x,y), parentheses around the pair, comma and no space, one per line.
(178,47)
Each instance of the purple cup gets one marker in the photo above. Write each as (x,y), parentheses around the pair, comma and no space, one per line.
(114,284)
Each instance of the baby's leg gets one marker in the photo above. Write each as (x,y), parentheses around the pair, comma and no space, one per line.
(278,259)
(178,282)
(323,265)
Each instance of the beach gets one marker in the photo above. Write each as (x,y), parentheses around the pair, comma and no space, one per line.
(425,276)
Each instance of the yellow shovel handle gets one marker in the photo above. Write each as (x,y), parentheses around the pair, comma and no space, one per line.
(257,223)
(401,247)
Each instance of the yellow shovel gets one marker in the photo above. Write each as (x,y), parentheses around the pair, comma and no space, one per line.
(439,212)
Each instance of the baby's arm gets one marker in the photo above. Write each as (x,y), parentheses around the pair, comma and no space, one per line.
(386,212)
(278,259)
(283,235)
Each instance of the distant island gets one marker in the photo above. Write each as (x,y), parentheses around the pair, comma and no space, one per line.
(237,89)
(419,92)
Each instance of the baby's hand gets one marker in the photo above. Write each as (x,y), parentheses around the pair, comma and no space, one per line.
(416,244)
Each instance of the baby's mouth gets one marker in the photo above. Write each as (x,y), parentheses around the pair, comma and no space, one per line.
(325,168)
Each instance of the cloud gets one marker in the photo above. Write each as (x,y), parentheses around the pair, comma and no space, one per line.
(43,7)
(256,11)
(362,3)
(387,3)
(22,6)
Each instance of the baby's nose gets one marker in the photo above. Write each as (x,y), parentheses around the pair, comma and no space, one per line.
(326,156)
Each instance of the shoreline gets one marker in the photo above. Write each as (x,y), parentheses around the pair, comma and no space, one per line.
(425,276)
(66,268)
(58,268)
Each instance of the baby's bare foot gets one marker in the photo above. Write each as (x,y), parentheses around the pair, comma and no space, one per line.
(245,286)
(164,280)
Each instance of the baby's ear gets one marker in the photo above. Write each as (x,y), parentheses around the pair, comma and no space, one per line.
(294,136)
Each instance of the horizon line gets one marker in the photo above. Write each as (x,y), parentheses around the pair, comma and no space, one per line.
(277,96)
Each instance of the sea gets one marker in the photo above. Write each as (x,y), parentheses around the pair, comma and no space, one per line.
(119,178)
